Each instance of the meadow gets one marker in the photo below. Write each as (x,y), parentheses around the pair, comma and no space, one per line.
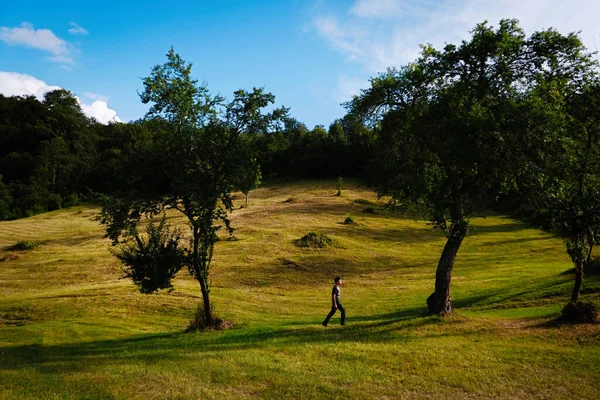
(71,327)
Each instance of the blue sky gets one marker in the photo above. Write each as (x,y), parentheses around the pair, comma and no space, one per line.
(311,54)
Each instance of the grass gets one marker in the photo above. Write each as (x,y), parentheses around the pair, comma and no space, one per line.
(70,327)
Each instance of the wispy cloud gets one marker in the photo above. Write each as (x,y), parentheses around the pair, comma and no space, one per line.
(15,84)
(389,9)
(42,39)
(348,87)
(76,29)
(344,38)
(94,96)
(377,34)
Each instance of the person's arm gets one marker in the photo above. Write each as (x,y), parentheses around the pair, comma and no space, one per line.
(334,302)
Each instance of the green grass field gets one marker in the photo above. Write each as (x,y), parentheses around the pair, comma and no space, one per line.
(70,327)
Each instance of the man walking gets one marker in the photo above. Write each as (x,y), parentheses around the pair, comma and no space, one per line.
(336,304)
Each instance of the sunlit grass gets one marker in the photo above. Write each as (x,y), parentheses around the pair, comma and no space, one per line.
(70,327)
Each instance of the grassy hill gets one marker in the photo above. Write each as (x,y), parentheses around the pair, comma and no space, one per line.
(70,327)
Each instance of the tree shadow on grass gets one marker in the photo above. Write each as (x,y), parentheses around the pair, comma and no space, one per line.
(410,235)
(499,228)
(515,241)
(153,348)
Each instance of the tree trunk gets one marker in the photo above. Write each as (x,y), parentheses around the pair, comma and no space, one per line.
(247,193)
(439,301)
(201,277)
(578,279)
(206,301)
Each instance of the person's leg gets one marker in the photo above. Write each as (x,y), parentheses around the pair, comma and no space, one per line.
(329,316)
(343,311)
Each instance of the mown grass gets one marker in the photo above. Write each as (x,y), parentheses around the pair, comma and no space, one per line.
(70,327)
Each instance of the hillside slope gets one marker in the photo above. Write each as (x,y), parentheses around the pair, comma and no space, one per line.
(70,327)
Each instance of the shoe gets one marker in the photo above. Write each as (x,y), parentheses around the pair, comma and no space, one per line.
(324,324)
(343,324)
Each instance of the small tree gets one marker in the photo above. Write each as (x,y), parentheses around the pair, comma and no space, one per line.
(250,178)
(562,184)
(198,151)
(339,183)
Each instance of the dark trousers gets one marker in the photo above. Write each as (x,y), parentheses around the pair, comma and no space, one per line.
(333,310)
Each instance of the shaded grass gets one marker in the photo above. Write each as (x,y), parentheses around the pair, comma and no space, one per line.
(71,328)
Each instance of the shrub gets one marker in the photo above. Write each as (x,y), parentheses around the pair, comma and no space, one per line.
(315,240)
(369,210)
(24,246)
(71,200)
(339,184)
(152,263)
(348,220)
(581,311)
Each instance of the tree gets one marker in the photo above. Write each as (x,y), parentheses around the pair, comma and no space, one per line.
(201,153)
(563,183)
(577,214)
(250,178)
(446,126)
(47,150)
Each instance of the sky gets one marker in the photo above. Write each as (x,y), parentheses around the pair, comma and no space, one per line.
(312,54)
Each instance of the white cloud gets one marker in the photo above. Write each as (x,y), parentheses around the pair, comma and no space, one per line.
(377,34)
(100,111)
(15,84)
(94,96)
(381,33)
(76,29)
(42,39)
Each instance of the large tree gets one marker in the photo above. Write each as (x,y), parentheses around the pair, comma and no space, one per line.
(201,152)
(447,132)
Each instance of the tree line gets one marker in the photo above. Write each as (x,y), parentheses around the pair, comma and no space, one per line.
(502,119)
(53,156)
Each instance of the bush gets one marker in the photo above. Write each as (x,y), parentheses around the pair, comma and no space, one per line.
(369,210)
(348,220)
(315,240)
(71,200)
(24,246)
(152,263)
(585,312)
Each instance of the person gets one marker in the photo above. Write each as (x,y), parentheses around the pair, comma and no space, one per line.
(336,304)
